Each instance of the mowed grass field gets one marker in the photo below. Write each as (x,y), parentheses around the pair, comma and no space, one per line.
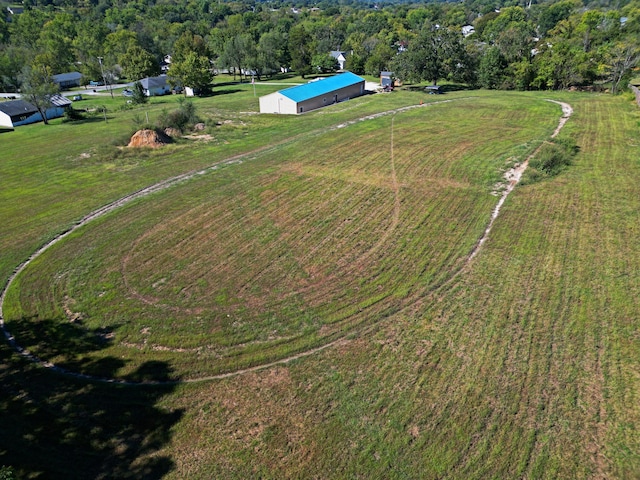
(294,247)
(520,363)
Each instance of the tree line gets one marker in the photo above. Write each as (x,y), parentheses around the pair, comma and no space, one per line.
(505,45)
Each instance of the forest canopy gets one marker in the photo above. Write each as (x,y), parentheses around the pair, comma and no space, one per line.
(485,43)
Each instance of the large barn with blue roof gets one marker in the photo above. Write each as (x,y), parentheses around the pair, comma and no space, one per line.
(313,95)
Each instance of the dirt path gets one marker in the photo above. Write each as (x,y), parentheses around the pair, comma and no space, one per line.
(512,178)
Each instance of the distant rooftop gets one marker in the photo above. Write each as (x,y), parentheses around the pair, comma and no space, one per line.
(67,77)
(58,100)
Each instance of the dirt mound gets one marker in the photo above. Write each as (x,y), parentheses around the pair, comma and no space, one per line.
(149,138)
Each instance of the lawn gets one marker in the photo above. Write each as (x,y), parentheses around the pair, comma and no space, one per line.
(284,252)
(519,363)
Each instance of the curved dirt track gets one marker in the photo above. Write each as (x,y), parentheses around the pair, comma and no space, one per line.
(510,176)
(514,175)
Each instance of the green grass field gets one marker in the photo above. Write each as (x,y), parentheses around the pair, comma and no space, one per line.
(522,362)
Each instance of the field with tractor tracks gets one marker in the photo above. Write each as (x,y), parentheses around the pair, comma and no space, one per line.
(320,298)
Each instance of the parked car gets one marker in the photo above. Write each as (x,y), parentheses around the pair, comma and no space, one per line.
(127,93)
(96,83)
(77,97)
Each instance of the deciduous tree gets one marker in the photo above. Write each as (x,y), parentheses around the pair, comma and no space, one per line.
(37,87)
(137,63)
(301,50)
(622,58)
(492,68)
(55,43)
(192,70)
(324,62)
(236,53)
(434,54)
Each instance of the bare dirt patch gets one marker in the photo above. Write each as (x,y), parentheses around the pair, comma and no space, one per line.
(148,138)
(70,314)
(204,137)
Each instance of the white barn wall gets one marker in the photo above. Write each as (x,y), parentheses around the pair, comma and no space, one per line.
(5,120)
(277,103)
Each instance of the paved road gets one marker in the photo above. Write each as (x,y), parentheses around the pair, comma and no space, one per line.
(101,90)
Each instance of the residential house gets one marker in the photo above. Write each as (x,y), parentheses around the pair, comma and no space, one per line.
(16,112)
(67,80)
(468,30)
(313,95)
(154,86)
(20,112)
(341,58)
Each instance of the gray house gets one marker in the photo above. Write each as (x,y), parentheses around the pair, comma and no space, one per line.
(154,86)
(68,80)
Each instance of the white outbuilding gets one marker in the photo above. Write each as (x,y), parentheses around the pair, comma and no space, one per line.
(313,95)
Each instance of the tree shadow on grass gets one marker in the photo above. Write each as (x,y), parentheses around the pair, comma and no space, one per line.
(68,343)
(456,87)
(218,92)
(53,425)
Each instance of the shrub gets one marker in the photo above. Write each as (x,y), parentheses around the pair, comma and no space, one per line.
(569,145)
(71,114)
(181,118)
(551,159)
(138,94)
(531,175)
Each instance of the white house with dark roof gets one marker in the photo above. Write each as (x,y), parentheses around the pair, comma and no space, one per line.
(313,95)
(20,112)
(15,112)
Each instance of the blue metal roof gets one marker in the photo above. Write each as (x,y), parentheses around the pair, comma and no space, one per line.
(314,89)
